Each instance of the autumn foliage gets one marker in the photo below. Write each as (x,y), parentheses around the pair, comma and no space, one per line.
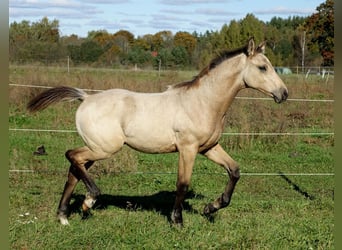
(291,42)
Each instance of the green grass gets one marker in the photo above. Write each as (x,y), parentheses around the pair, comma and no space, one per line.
(281,211)
(267,212)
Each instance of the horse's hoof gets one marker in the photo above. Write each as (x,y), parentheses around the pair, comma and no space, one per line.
(62,216)
(86,214)
(63,220)
(177,218)
(88,202)
(209,209)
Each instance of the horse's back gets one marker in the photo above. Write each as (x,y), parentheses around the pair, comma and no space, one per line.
(144,121)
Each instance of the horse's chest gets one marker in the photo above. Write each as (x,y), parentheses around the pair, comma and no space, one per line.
(210,140)
(211,135)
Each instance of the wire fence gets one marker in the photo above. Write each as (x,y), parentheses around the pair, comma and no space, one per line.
(237,97)
(223,134)
(175,173)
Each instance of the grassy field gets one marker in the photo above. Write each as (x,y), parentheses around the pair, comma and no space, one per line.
(276,205)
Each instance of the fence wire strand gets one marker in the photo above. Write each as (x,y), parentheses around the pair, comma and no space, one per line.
(175,173)
(224,134)
(237,97)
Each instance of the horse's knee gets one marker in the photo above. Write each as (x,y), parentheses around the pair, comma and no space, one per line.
(68,155)
(78,156)
(71,156)
(234,172)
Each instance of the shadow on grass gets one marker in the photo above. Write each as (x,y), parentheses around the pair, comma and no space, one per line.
(296,187)
(161,202)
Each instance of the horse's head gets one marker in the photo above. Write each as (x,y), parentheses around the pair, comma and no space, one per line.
(260,74)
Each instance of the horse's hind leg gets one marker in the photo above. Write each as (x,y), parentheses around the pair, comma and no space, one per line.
(69,187)
(81,159)
(218,155)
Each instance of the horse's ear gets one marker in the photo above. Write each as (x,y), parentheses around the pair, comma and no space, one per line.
(261,47)
(250,47)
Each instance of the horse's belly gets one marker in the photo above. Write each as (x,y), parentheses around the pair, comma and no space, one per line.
(151,144)
(150,138)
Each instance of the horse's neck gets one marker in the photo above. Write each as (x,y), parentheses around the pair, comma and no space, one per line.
(221,84)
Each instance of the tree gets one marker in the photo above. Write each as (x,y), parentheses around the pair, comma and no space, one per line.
(164,57)
(38,41)
(90,51)
(45,30)
(233,35)
(320,26)
(143,43)
(138,56)
(74,52)
(185,40)
(161,39)
(283,37)
(124,39)
(180,57)
(19,35)
(252,26)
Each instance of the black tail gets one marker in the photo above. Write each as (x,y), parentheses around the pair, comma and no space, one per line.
(55,95)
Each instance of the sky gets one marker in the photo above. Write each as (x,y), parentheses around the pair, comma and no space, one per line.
(141,17)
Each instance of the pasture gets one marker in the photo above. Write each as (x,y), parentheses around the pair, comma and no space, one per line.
(284,199)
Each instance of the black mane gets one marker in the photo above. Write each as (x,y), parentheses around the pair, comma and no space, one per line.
(222,56)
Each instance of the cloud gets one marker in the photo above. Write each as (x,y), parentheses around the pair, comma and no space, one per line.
(216,12)
(132,21)
(190,2)
(162,25)
(38,14)
(219,20)
(284,11)
(201,24)
(38,4)
(106,1)
(160,17)
(177,11)
(52,8)
(53,13)
(106,25)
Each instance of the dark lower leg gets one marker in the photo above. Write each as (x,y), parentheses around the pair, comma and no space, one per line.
(176,215)
(63,207)
(225,198)
(67,192)
(80,167)
(91,196)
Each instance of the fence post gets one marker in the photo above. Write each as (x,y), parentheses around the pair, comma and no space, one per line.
(68,64)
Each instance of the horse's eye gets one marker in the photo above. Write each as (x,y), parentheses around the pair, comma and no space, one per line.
(262,68)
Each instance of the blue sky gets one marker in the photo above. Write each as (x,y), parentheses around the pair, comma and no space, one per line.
(142,17)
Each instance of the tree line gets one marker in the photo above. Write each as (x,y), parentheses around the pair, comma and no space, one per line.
(292,41)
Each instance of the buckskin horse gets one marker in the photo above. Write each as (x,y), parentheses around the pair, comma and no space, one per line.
(187,118)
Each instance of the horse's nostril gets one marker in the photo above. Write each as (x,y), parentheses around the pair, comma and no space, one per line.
(285,95)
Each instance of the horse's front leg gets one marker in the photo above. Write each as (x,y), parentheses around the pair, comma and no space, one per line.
(219,156)
(187,157)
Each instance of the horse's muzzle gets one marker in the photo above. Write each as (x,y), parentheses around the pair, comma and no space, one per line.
(281,97)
